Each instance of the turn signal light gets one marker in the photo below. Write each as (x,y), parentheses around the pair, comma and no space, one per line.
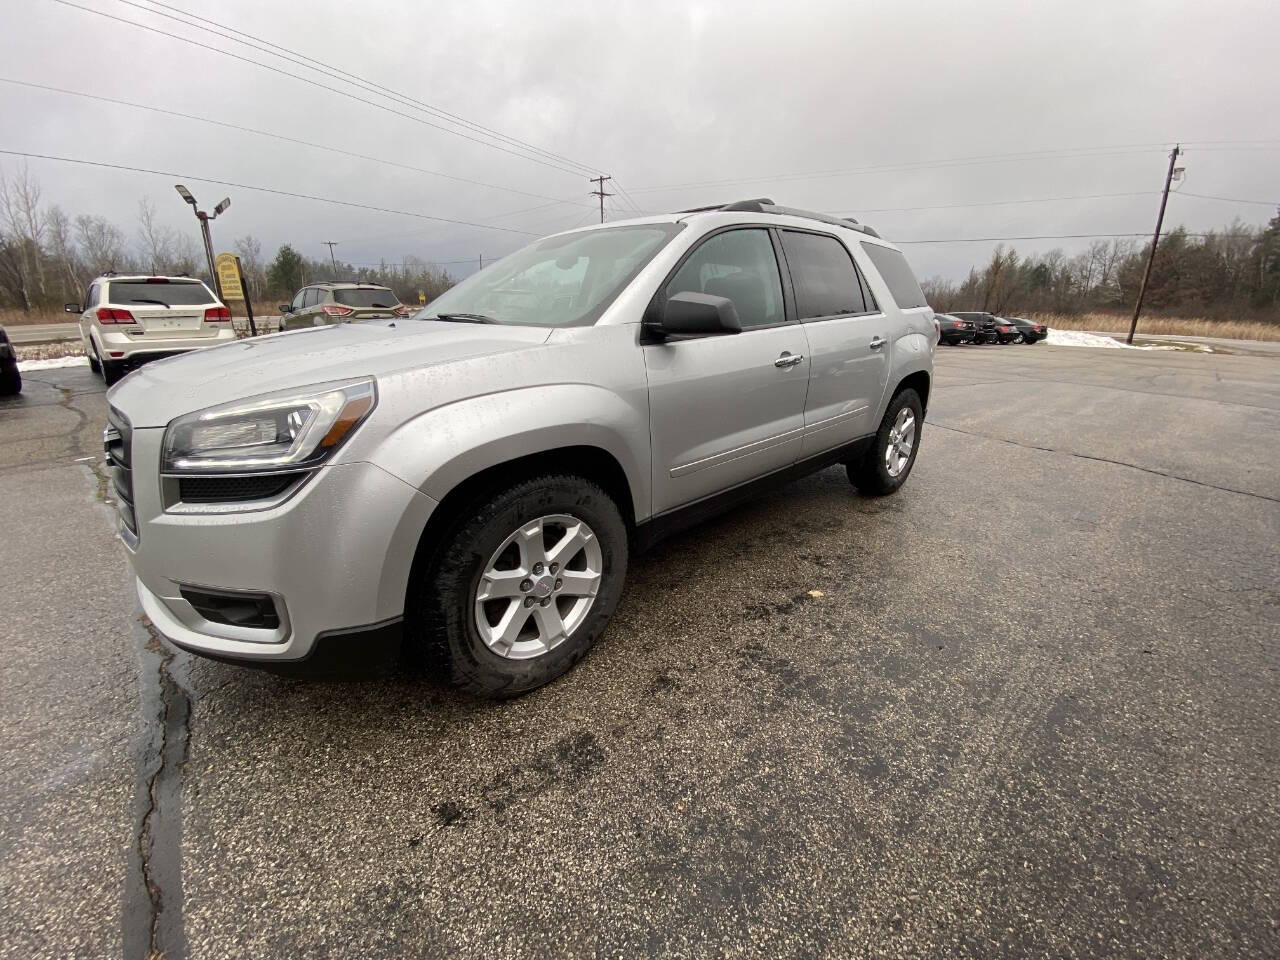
(114,315)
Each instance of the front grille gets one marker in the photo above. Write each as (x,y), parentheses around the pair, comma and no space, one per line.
(235,489)
(117,442)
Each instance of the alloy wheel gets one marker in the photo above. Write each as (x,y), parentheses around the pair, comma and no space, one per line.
(538,587)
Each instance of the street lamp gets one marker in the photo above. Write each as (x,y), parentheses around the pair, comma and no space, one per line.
(204,219)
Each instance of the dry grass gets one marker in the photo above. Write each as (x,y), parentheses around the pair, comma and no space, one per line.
(1157,326)
(16,318)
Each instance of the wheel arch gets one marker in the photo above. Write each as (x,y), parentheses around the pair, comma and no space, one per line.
(590,462)
(918,381)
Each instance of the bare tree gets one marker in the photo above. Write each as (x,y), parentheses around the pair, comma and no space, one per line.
(249,250)
(101,243)
(23,222)
(13,271)
(62,246)
(157,239)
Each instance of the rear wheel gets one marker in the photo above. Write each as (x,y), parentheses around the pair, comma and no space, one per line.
(521,587)
(94,363)
(888,461)
(10,381)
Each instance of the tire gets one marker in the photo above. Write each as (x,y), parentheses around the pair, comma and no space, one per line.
(10,381)
(444,633)
(870,474)
(94,363)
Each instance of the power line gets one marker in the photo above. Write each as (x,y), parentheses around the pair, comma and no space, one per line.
(1205,196)
(314,83)
(1067,236)
(1060,153)
(284,139)
(272,190)
(997,203)
(319,66)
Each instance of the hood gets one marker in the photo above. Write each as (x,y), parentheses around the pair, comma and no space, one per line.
(156,393)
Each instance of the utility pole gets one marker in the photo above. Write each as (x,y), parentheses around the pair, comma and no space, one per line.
(331,244)
(1155,238)
(599,192)
(481,261)
(204,219)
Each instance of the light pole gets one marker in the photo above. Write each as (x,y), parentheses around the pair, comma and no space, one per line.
(204,219)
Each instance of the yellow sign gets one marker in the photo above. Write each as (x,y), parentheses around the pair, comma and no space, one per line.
(228,266)
(422,297)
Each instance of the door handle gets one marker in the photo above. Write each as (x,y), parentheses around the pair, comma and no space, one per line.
(788,359)
(877,343)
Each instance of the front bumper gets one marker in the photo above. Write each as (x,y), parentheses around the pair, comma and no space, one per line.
(334,556)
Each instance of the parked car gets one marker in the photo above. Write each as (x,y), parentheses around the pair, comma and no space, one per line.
(1030,332)
(955,330)
(10,376)
(984,325)
(468,485)
(1006,332)
(125,321)
(321,304)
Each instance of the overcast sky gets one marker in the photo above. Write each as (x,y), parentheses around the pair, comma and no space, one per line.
(657,94)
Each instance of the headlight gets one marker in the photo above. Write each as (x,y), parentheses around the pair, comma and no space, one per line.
(287,430)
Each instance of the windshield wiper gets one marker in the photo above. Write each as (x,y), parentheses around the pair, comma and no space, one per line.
(462,318)
(142,300)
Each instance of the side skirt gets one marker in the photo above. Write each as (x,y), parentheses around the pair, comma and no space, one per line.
(673,521)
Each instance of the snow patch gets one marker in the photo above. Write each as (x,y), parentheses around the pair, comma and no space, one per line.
(79,361)
(1078,338)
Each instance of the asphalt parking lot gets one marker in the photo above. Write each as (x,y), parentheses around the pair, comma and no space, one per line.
(1026,707)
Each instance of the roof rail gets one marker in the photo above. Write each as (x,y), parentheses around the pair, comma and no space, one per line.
(765,205)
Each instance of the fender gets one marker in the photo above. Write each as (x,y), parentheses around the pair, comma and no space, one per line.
(442,447)
(911,354)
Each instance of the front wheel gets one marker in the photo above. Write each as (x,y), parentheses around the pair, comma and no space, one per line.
(888,461)
(521,587)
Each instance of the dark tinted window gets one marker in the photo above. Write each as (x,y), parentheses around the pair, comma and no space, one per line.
(897,275)
(824,275)
(313,296)
(741,266)
(171,293)
(367,297)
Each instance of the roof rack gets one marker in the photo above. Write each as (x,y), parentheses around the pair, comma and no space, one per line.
(765,205)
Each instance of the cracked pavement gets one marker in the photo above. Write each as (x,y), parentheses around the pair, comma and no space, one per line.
(1025,707)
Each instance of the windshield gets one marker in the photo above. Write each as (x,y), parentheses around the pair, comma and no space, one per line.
(168,293)
(561,281)
(366,297)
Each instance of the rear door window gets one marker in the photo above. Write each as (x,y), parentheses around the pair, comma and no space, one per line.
(741,266)
(825,276)
(898,276)
(151,293)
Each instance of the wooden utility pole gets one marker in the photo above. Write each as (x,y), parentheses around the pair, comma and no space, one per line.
(1155,238)
(331,244)
(599,192)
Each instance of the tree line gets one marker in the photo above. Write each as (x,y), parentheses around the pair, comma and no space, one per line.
(1233,272)
(48,257)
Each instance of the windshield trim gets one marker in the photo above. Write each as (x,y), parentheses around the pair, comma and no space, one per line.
(669,229)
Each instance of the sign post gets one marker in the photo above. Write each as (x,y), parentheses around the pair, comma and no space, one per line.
(231,280)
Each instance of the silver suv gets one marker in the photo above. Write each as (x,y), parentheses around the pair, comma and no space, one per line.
(465,486)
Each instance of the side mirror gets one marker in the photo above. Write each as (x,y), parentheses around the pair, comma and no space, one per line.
(286,308)
(71,307)
(689,313)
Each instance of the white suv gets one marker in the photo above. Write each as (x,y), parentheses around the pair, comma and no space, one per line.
(127,320)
